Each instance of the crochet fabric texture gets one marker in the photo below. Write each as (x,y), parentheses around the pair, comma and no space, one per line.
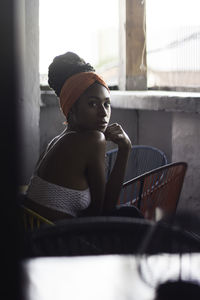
(60,198)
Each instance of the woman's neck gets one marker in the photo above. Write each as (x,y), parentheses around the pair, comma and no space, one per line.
(71,127)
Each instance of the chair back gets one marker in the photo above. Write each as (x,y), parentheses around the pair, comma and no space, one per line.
(32,220)
(142,159)
(155,191)
(108,235)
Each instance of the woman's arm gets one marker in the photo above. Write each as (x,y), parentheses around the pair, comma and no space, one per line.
(104,195)
(116,134)
(95,171)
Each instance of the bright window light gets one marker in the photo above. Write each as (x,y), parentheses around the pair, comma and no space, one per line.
(173,43)
(88,28)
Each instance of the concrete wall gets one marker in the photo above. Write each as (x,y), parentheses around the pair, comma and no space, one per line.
(51,119)
(29,104)
(146,127)
(185,147)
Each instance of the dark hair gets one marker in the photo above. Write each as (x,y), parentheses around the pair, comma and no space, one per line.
(63,67)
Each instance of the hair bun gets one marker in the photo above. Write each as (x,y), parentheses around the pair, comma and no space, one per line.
(63,67)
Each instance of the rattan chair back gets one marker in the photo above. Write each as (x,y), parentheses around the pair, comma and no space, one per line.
(156,191)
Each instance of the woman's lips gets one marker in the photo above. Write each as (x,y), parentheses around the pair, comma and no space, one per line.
(103,123)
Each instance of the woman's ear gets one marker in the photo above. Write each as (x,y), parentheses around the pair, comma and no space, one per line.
(71,118)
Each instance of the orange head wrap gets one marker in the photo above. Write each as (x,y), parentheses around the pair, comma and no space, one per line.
(75,86)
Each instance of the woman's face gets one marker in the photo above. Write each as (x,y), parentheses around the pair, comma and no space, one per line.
(92,111)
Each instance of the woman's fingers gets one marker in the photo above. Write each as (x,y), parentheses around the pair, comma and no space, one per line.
(116,134)
(111,131)
(113,128)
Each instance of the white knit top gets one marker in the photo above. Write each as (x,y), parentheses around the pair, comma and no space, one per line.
(60,198)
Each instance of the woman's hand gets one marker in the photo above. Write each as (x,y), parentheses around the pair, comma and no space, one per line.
(117,135)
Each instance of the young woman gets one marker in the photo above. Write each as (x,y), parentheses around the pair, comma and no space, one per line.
(69,179)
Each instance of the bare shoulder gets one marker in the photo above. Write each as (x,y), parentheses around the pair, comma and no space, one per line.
(94,135)
(94,140)
(88,140)
(86,136)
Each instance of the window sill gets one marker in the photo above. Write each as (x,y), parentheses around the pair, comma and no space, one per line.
(168,101)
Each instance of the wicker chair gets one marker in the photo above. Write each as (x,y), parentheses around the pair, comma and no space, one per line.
(108,235)
(155,191)
(142,159)
(32,220)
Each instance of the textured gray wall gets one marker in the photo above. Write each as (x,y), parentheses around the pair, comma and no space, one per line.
(51,119)
(30,99)
(155,129)
(146,127)
(185,147)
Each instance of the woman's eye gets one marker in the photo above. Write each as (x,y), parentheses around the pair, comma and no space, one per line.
(107,104)
(92,104)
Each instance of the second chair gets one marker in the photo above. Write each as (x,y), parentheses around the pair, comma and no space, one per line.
(155,191)
(143,158)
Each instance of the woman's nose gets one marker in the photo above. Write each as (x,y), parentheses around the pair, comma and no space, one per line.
(102,111)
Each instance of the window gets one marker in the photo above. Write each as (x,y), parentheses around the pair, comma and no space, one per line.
(91,29)
(88,28)
(173,44)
